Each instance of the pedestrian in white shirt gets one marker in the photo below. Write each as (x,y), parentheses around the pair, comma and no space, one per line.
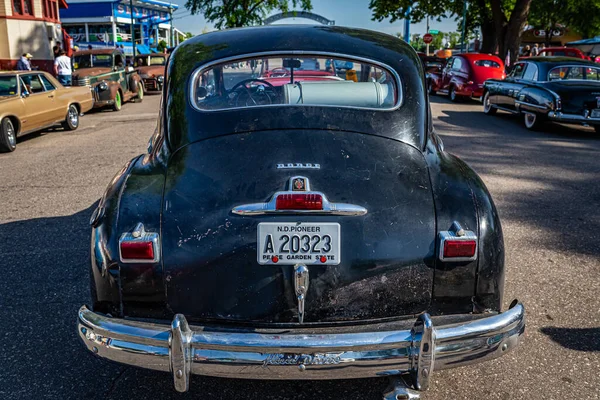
(62,68)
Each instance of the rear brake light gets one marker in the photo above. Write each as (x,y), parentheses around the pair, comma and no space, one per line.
(139,246)
(304,201)
(137,250)
(459,248)
(470,82)
(458,244)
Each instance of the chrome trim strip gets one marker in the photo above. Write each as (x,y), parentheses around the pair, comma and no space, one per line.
(328,207)
(139,234)
(523,103)
(296,355)
(561,117)
(194,76)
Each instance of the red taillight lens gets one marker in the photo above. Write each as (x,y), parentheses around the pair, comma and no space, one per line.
(137,250)
(459,248)
(299,201)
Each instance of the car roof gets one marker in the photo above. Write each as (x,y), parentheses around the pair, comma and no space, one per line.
(477,56)
(560,48)
(21,72)
(556,60)
(302,40)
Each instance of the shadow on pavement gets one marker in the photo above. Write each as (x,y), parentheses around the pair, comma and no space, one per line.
(45,267)
(580,339)
(549,177)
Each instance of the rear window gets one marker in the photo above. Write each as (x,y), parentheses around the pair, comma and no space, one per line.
(487,63)
(295,80)
(574,73)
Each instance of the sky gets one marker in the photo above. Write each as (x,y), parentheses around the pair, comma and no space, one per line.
(351,13)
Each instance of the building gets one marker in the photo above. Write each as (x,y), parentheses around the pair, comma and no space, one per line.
(103,23)
(29,26)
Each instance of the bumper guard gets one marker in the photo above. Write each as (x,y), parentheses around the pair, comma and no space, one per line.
(183,351)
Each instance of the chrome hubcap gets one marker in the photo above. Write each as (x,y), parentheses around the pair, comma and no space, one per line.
(10,132)
(73,116)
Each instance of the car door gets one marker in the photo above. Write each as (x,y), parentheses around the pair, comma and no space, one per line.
(122,72)
(508,89)
(57,108)
(39,104)
(447,74)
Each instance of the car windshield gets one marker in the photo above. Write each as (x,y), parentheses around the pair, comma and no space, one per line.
(579,72)
(8,85)
(157,60)
(293,80)
(92,60)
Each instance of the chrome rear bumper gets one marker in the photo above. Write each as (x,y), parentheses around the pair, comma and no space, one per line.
(573,118)
(226,353)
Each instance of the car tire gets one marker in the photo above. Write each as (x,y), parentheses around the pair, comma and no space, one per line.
(453,96)
(487,105)
(140,96)
(71,122)
(8,136)
(597,128)
(430,89)
(531,120)
(118,101)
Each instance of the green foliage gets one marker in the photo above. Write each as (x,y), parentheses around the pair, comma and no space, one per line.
(452,38)
(162,45)
(582,16)
(189,35)
(237,13)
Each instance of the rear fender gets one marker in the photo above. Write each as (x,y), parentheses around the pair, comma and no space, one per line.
(536,100)
(459,195)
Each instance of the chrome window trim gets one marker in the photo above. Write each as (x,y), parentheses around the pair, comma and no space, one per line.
(197,71)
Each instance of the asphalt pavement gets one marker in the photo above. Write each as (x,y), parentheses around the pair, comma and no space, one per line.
(545,185)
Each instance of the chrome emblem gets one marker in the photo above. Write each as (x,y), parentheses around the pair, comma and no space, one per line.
(298,166)
(301,287)
(298,184)
(302,359)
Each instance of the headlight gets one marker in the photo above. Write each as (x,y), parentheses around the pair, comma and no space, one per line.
(160,79)
(102,86)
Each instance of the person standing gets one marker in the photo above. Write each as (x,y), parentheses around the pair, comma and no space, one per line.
(24,63)
(56,50)
(62,68)
(535,51)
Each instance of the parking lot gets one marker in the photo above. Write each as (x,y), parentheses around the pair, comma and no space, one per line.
(545,184)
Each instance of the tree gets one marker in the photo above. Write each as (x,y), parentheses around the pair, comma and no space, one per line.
(238,13)
(501,21)
(583,16)
(189,35)
(162,45)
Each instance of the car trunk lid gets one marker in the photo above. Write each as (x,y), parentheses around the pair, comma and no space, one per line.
(210,253)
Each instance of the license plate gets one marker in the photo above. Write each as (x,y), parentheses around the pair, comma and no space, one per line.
(595,113)
(290,243)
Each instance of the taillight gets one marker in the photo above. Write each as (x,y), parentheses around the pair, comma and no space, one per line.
(459,248)
(299,201)
(139,246)
(469,82)
(458,244)
(137,250)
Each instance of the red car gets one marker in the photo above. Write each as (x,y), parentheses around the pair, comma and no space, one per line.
(464,74)
(563,52)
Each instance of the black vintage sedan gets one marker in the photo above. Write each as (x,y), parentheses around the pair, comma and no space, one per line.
(560,89)
(291,223)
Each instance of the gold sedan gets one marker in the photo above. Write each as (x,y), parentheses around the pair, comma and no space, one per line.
(31,101)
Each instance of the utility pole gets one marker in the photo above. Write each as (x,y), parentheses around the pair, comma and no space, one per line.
(132,29)
(407,25)
(427,44)
(171,29)
(464,27)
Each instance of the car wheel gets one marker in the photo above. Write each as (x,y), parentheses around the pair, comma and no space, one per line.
(487,105)
(532,120)
(140,95)
(72,121)
(8,136)
(597,128)
(118,102)
(453,96)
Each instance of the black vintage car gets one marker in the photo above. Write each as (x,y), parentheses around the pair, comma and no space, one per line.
(291,224)
(560,89)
